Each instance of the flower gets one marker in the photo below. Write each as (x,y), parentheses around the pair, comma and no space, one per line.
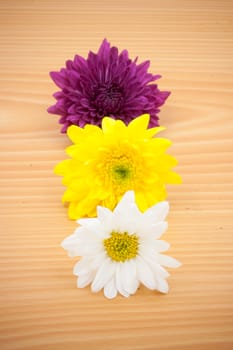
(105,84)
(121,249)
(107,162)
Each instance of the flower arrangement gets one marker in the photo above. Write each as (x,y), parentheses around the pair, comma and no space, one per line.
(116,173)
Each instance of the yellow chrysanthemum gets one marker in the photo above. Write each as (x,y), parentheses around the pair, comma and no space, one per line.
(107,162)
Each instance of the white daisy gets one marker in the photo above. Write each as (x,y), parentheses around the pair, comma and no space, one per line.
(121,249)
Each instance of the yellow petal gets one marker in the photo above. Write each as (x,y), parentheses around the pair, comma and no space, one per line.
(72,150)
(68,196)
(107,124)
(92,130)
(75,133)
(153,131)
(172,178)
(61,168)
(140,123)
(72,211)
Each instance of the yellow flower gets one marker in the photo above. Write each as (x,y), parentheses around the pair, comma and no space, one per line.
(107,162)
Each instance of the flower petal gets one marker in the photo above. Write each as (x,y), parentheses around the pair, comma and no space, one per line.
(140,123)
(98,259)
(104,214)
(152,260)
(153,231)
(118,281)
(161,271)
(129,276)
(84,280)
(106,217)
(126,213)
(70,244)
(103,275)
(110,290)
(75,134)
(145,274)
(125,203)
(168,261)
(94,227)
(158,212)
(82,267)
(107,124)
(162,285)
(154,244)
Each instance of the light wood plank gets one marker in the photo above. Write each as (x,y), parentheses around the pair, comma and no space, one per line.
(190,44)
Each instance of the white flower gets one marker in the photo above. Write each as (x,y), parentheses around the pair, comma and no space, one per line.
(121,249)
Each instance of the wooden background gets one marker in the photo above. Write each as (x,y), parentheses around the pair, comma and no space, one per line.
(190,44)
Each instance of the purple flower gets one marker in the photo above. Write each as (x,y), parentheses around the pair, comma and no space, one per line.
(105,84)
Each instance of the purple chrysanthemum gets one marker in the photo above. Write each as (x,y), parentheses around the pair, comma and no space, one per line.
(105,84)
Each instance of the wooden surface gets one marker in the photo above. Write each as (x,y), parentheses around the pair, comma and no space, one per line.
(190,44)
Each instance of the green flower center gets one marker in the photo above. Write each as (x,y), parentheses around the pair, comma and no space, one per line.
(121,172)
(121,246)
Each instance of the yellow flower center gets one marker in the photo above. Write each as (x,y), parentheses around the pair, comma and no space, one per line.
(121,172)
(120,169)
(121,246)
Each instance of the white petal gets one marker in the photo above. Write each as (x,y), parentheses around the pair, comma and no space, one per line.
(84,280)
(146,251)
(145,274)
(162,285)
(106,217)
(72,253)
(80,232)
(125,224)
(118,281)
(159,229)
(127,206)
(158,270)
(154,231)
(168,261)
(151,248)
(161,271)
(88,235)
(98,260)
(88,247)
(127,199)
(154,245)
(69,241)
(93,225)
(82,242)
(86,222)
(88,241)
(126,215)
(129,276)
(70,244)
(104,214)
(82,267)
(103,275)
(110,290)
(161,246)
(158,212)
(134,286)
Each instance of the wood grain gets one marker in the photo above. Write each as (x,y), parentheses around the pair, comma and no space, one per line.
(190,44)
